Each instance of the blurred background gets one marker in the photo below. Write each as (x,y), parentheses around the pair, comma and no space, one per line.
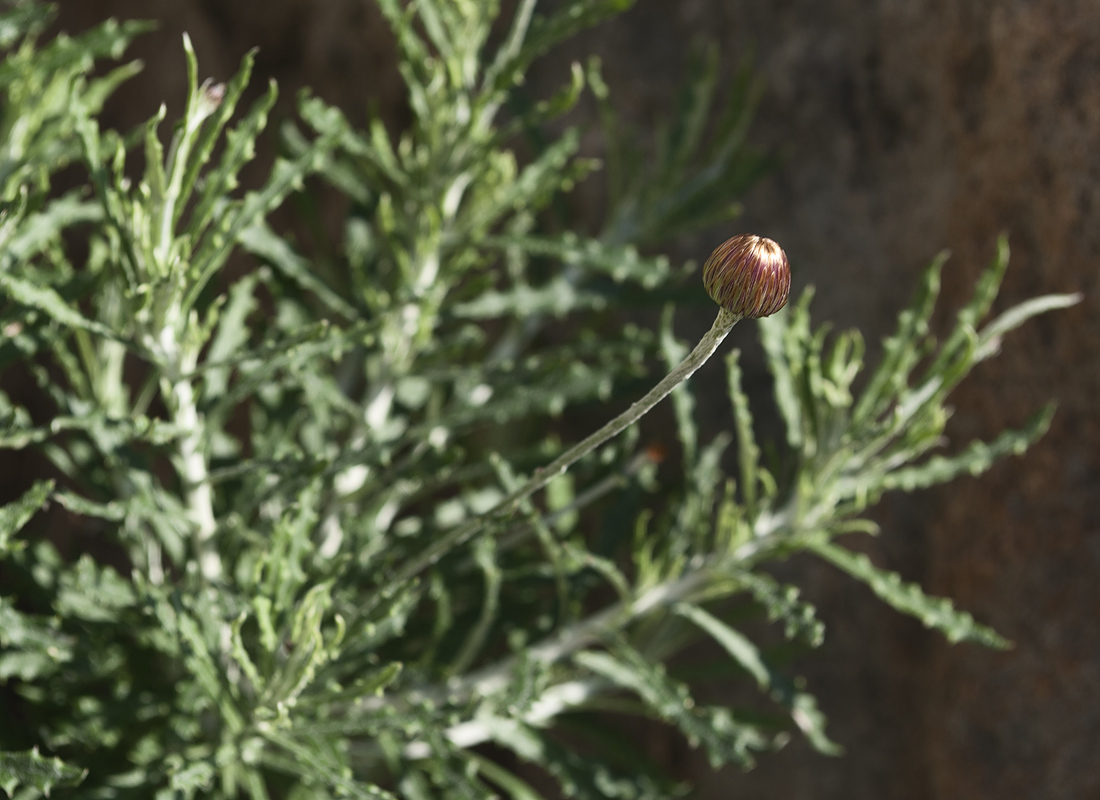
(903,128)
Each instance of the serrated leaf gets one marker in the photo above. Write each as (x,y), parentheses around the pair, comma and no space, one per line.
(801,706)
(30,769)
(192,778)
(32,647)
(902,350)
(781,602)
(908,598)
(35,231)
(974,460)
(113,510)
(264,243)
(776,335)
(307,763)
(585,779)
(285,177)
(516,788)
(93,592)
(51,303)
(724,738)
(748,454)
(742,650)
(558,298)
(16,514)
(619,262)
(309,650)
(989,337)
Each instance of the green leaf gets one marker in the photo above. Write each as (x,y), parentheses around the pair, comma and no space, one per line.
(531,188)
(581,778)
(725,739)
(908,598)
(286,176)
(781,602)
(516,788)
(114,510)
(619,262)
(94,593)
(956,354)
(309,649)
(264,243)
(240,145)
(312,766)
(193,777)
(974,460)
(557,297)
(748,454)
(546,31)
(742,650)
(231,336)
(36,231)
(801,706)
(32,646)
(902,350)
(779,336)
(22,20)
(989,337)
(51,303)
(30,769)
(16,514)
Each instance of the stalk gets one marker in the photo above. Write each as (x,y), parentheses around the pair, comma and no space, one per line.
(563,696)
(195,475)
(723,323)
(193,468)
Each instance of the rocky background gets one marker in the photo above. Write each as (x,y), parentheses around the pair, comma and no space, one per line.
(906,128)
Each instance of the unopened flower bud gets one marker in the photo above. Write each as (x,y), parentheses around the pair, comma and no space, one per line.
(748,275)
(210,97)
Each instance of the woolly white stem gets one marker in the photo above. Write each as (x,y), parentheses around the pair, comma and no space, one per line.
(195,475)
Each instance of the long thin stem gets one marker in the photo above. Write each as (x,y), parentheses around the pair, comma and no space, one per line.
(458,536)
(522,531)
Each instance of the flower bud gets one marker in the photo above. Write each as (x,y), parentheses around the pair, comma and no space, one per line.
(211,96)
(748,275)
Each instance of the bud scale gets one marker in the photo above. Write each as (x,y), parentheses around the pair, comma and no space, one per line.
(748,275)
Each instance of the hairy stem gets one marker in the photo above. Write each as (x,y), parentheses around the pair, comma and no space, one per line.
(178,363)
(196,478)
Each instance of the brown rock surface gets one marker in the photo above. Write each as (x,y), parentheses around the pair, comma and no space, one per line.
(908,127)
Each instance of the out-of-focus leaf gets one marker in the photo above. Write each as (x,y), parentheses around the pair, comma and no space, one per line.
(935,612)
(30,769)
(16,514)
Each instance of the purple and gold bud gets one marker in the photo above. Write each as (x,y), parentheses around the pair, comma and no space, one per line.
(748,275)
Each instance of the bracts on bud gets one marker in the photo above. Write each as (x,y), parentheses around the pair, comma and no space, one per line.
(748,276)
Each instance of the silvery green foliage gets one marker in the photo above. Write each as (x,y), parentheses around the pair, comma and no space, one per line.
(242,576)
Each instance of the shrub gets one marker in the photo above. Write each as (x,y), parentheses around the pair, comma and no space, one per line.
(312,530)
